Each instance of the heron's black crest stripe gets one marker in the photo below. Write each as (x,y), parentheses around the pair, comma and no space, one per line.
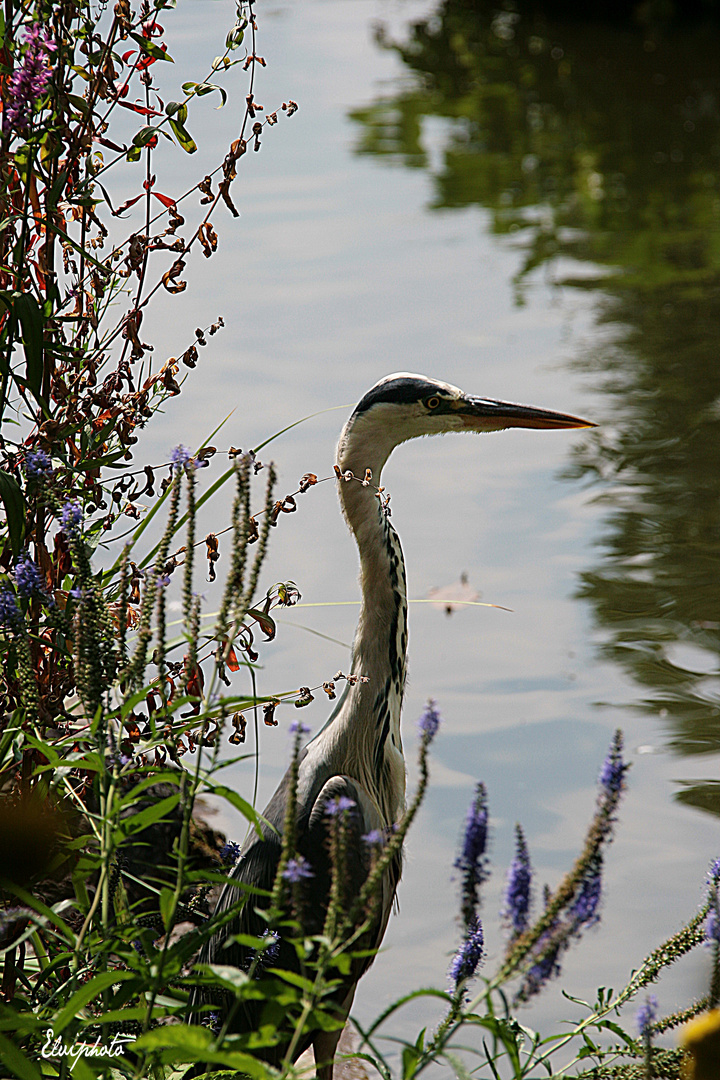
(396,392)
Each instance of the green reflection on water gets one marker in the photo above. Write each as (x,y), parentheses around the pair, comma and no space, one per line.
(602,143)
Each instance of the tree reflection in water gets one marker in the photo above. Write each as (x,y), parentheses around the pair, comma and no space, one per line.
(602,143)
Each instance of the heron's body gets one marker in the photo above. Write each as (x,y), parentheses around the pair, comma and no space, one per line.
(358,753)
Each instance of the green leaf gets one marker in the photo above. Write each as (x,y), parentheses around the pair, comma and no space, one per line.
(320,1018)
(12,498)
(167,776)
(183,137)
(145,135)
(80,103)
(31,319)
(231,977)
(240,804)
(151,49)
(293,979)
(86,994)
(410,1058)
(203,88)
(617,1030)
(167,907)
(182,1042)
(266,624)
(17,1062)
(146,817)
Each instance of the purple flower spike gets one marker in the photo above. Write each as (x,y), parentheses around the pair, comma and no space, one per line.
(471,861)
(71,517)
(27,577)
(230,853)
(517,892)
(712,927)
(374,838)
(646,1017)
(298,728)
(584,908)
(547,967)
(475,837)
(29,81)
(465,962)
(10,615)
(297,870)
(612,774)
(180,457)
(714,872)
(429,722)
(37,463)
(339,806)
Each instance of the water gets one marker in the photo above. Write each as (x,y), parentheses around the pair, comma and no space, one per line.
(531,212)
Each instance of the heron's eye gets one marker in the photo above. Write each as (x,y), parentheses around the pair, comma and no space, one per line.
(432,402)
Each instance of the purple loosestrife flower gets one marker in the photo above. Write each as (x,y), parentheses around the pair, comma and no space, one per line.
(714,872)
(465,962)
(374,838)
(544,968)
(646,1017)
(230,853)
(612,774)
(29,81)
(298,728)
(37,463)
(27,577)
(517,891)
(297,870)
(339,806)
(180,457)
(471,860)
(583,910)
(71,517)
(11,617)
(429,723)
(712,922)
(712,926)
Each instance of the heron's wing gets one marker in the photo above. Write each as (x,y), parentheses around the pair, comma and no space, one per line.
(257,867)
(314,842)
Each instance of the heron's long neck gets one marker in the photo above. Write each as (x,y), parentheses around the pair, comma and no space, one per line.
(368,728)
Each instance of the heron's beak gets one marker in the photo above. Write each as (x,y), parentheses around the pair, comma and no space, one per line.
(483,414)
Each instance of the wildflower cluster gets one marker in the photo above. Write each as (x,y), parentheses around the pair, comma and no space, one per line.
(29,81)
(78,385)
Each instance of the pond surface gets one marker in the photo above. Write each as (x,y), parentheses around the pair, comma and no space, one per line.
(530,211)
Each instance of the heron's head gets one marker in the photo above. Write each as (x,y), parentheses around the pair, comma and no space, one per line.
(405,406)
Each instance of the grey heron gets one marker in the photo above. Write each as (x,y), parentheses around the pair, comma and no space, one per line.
(358,753)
